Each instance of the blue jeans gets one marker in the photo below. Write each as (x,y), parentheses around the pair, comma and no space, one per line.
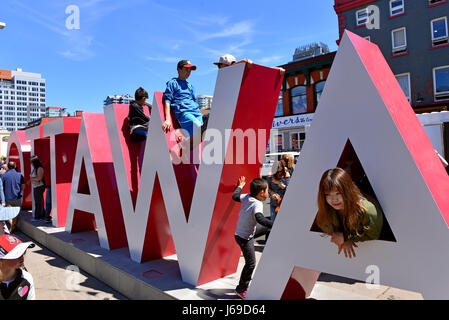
(191,122)
(272,212)
(48,203)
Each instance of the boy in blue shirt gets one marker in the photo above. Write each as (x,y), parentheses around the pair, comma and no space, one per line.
(250,214)
(180,96)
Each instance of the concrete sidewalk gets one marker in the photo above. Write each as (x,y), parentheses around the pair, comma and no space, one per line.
(53,281)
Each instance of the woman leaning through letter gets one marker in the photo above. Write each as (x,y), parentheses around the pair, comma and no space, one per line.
(344,213)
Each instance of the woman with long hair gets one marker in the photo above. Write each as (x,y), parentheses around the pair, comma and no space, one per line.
(346,214)
(288,161)
(277,185)
(38,186)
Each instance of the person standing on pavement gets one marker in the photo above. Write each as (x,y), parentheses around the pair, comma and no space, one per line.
(38,186)
(13,186)
(15,282)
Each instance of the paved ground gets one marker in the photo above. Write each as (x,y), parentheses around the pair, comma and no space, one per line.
(54,280)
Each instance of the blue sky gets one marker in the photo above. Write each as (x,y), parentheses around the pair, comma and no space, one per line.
(122,45)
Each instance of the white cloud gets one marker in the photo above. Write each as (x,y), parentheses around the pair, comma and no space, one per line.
(163,59)
(244,28)
(271,59)
(79,47)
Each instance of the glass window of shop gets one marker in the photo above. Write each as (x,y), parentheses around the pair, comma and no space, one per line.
(297,140)
(279,108)
(319,87)
(279,143)
(299,99)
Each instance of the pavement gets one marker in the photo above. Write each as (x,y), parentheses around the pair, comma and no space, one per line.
(57,279)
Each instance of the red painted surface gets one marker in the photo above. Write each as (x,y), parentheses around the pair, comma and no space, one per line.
(18,146)
(341,6)
(293,291)
(397,15)
(158,239)
(42,150)
(408,124)
(65,160)
(104,175)
(399,55)
(185,173)
(344,5)
(435,4)
(259,91)
(440,46)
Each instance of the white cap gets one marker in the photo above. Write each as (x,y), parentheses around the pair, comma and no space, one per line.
(226,59)
(12,248)
(8,213)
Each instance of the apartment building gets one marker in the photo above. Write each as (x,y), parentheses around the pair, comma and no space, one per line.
(22,98)
(413,37)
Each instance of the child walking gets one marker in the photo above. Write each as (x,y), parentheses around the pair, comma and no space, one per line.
(250,224)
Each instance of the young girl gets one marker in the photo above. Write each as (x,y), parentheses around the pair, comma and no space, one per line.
(344,213)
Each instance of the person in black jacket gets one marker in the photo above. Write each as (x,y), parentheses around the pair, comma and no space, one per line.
(138,120)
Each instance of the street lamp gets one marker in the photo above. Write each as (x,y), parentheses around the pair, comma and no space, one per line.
(2,25)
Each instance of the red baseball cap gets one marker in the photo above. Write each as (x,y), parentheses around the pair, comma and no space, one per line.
(186,64)
(12,248)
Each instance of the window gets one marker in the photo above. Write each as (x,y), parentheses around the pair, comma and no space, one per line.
(404,82)
(319,87)
(297,140)
(276,143)
(439,31)
(396,7)
(399,40)
(441,83)
(362,17)
(279,108)
(367,38)
(299,99)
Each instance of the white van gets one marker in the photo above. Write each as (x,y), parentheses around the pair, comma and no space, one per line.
(271,158)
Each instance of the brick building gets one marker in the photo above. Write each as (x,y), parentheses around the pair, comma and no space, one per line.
(413,37)
(301,90)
